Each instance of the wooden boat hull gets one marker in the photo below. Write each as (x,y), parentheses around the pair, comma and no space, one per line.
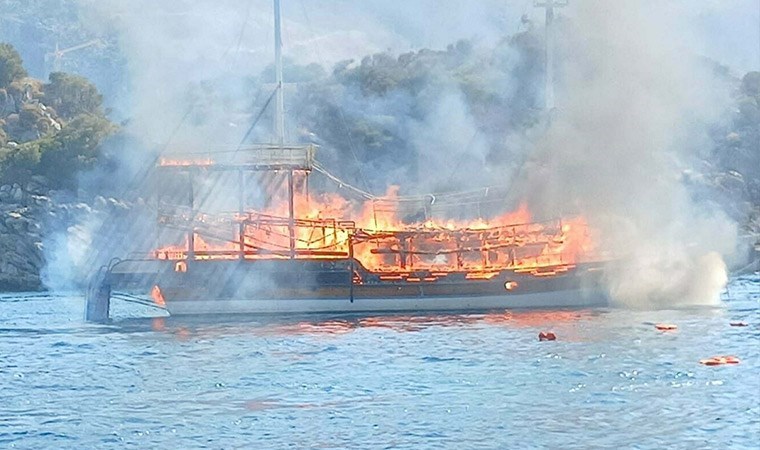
(274,287)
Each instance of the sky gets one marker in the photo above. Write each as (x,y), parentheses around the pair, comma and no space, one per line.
(239,32)
(727,31)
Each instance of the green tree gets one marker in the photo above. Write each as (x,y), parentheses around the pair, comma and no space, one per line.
(76,148)
(17,164)
(71,95)
(11,66)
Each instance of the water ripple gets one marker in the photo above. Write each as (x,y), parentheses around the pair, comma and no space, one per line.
(397,381)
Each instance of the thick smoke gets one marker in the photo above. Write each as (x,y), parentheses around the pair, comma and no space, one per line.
(633,107)
(450,148)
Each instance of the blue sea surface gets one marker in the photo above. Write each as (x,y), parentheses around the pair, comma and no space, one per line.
(610,380)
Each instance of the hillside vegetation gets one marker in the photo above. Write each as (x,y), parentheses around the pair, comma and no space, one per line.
(51,129)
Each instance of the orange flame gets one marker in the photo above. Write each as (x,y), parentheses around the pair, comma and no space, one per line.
(330,227)
(176,162)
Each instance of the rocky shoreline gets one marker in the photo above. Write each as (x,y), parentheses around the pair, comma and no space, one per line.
(24,211)
(31,218)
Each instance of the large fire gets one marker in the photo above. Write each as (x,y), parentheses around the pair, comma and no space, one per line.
(331,227)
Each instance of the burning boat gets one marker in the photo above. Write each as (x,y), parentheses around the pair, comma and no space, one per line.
(264,261)
(299,253)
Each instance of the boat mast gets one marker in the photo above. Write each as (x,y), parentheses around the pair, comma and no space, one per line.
(549,5)
(279,121)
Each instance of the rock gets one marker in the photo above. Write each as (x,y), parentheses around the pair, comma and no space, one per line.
(8,269)
(33,228)
(116,204)
(17,194)
(84,208)
(16,222)
(28,215)
(41,180)
(733,181)
(42,201)
(99,204)
(33,187)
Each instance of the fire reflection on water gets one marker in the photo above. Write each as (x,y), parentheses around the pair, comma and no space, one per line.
(398,323)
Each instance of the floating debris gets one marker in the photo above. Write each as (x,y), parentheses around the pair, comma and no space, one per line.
(547,336)
(720,360)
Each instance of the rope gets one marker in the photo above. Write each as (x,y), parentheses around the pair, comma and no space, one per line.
(240,34)
(343,121)
(432,197)
(364,194)
(256,120)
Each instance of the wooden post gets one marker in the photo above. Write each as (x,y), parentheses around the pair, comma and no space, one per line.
(241,212)
(291,216)
(191,231)
(351,267)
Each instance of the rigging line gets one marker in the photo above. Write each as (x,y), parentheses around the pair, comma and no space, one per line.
(242,29)
(256,120)
(459,160)
(240,35)
(491,57)
(493,53)
(439,196)
(245,137)
(343,121)
(318,167)
(178,127)
(140,177)
(107,227)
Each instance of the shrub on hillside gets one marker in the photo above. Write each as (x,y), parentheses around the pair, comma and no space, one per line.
(11,66)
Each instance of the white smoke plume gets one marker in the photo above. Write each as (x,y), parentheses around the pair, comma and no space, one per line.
(632,113)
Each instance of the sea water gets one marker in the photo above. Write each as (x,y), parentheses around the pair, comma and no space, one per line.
(454,381)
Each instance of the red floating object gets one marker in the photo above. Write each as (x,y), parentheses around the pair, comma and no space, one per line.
(720,360)
(666,326)
(548,336)
(738,324)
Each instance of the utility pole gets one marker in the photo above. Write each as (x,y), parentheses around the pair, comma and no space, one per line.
(57,55)
(549,5)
